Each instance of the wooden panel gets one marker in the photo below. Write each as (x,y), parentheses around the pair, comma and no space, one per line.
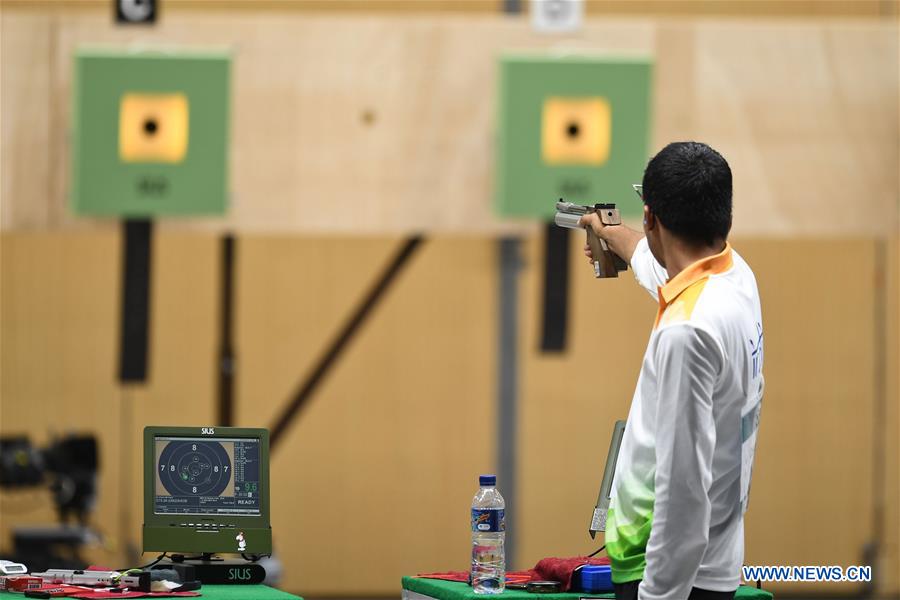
(26,53)
(795,112)
(379,470)
(813,477)
(60,311)
(388,450)
(691,8)
(745,8)
(387,122)
(58,340)
(293,296)
(889,580)
(812,490)
(569,401)
(315,6)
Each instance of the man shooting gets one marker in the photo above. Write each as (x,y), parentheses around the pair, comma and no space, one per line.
(675,526)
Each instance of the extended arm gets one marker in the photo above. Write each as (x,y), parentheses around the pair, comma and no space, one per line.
(631,245)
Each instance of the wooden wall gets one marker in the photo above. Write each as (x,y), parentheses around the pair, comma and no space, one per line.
(379,469)
(890,517)
(686,8)
(805,110)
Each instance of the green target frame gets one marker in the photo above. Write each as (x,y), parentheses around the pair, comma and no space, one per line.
(574,127)
(151,133)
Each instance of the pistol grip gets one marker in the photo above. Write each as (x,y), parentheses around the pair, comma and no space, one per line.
(604,259)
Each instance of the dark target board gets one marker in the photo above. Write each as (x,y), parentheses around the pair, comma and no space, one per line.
(207,477)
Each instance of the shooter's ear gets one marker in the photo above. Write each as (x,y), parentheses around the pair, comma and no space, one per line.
(649,219)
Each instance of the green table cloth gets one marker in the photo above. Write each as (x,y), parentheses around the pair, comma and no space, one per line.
(454,590)
(245,592)
(221,592)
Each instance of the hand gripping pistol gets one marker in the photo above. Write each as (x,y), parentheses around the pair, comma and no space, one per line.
(606,262)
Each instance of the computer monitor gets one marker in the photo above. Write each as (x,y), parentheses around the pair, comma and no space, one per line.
(598,518)
(206,490)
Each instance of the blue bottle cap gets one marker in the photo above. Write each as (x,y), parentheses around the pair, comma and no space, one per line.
(487,480)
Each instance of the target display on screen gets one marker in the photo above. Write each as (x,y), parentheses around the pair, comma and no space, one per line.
(207,477)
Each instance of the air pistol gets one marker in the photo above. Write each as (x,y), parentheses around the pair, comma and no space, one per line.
(606,262)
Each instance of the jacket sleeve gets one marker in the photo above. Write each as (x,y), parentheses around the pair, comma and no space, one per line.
(688,361)
(649,273)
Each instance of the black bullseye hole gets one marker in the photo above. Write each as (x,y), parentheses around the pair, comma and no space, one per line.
(150,126)
(572,130)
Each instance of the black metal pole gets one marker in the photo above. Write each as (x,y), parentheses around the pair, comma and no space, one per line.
(226,342)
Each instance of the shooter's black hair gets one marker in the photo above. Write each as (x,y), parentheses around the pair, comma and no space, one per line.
(688,187)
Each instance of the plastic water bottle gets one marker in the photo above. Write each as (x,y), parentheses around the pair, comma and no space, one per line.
(488,538)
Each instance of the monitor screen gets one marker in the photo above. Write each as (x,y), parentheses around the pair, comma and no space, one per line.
(203,476)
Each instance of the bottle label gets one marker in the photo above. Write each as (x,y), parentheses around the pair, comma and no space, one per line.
(488,520)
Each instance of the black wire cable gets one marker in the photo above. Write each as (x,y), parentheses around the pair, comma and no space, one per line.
(249,558)
(255,557)
(149,564)
(597,551)
(198,557)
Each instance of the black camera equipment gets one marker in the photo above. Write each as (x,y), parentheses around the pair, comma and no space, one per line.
(68,467)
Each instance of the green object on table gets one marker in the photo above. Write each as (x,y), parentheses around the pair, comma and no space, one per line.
(222,592)
(454,590)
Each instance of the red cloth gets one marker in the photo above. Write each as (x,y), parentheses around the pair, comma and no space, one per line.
(547,569)
(562,569)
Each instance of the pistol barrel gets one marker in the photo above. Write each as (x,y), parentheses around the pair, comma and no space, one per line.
(571,208)
(568,213)
(567,220)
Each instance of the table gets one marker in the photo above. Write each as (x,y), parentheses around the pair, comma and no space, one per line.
(245,592)
(219,592)
(420,588)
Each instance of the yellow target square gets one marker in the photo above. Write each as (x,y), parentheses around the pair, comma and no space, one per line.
(576,131)
(153,128)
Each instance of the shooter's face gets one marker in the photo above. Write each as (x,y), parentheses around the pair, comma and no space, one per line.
(153,128)
(575,131)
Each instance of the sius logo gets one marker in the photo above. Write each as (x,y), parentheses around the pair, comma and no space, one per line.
(207,431)
(242,574)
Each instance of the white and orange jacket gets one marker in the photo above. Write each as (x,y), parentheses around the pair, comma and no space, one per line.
(683,473)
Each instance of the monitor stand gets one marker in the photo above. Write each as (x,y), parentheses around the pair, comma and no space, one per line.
(209,569)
